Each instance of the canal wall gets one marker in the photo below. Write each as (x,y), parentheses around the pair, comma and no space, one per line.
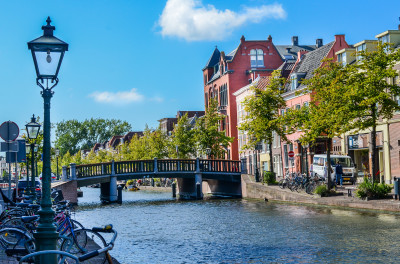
(256,190)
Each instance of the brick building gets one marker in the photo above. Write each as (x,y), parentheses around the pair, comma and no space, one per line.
(224,74)
(304,67)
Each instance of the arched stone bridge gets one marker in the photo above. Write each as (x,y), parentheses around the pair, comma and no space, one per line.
(194,176)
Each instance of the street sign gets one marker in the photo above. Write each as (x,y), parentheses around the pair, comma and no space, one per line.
(21,153)
(291,154)
(9,131)
(9,146)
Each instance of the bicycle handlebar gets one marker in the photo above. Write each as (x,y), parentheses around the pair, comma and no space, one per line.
(105,229)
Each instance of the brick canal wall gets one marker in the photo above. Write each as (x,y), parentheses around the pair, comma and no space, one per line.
(251,189)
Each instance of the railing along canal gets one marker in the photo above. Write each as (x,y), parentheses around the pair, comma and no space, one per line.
(157,166)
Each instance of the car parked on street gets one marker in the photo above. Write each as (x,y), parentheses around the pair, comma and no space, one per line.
(23,185)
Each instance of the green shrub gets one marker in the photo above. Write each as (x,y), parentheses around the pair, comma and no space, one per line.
(322,190)
(372,190)
(269,177)
(129,182)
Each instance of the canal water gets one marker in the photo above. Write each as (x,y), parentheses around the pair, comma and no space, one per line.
(154,228)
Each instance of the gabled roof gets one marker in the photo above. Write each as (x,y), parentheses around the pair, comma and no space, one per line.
(312,60)
(214,59)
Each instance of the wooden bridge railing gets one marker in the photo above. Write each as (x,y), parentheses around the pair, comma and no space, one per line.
(155,166)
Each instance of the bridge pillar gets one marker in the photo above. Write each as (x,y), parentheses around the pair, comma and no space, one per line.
(72,172)
(64,174)
(198,179)
(113,185)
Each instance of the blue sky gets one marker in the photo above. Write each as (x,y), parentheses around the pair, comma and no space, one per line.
(141,61)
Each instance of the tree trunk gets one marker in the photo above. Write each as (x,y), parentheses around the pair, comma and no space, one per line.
(328,159)
(374,168)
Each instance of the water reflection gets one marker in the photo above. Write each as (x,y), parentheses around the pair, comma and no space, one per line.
(154,228)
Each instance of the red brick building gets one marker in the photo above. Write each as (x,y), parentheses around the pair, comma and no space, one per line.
(224,74)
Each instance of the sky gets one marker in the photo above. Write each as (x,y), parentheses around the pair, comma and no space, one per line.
(141,61)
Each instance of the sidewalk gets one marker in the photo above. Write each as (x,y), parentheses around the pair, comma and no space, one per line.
(251,189)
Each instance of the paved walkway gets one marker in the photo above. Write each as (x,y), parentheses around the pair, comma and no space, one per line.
(252,189)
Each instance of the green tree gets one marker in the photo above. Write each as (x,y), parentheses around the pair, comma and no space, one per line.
(208,134)
(330,112)
(262,117)
(72,135)
(182,143)
(373,96)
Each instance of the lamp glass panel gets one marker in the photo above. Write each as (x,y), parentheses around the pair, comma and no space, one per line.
(33,131)
(47,62)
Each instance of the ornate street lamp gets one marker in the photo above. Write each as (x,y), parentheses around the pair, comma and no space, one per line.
(32,129)
(208,152)
(48,53)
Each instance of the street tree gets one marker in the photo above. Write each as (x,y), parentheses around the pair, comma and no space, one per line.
(207,132)
(330,112)
(262,109)
(182,143)
(73,135)
(374,97)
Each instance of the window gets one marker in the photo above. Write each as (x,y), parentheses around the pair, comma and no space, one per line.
(297,107)
(384,39)
(282,112)
(285,153)
(206,99)
(223,98)
(256,58)
(293,82)
(341,58)
(360,48)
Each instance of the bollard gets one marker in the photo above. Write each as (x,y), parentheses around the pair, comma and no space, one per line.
(396,187)
(119,196)
(152,182)
(174,189)
(198,190)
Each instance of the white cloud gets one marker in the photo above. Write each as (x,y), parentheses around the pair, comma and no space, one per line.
(193,21)
(124,97)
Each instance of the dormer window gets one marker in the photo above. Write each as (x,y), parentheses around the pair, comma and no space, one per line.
(257,58)
(360,48)
(293,82)
(216,68)
(384,39)
(341,58)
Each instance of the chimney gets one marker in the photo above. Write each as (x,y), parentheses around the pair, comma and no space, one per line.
(242,39)
(319,43)
(269,38)
(300,54)
(295,40)
(339,38)
(288,49)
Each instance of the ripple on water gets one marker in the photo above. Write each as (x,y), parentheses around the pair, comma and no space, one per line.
(154,228)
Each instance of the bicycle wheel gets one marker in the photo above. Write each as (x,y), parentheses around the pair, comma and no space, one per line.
(282,184)
(76,224)
(90,240)
(16,242)
(310,187)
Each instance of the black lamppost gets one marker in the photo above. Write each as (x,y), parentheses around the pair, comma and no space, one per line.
(208,152)
(32,129)
(47,52)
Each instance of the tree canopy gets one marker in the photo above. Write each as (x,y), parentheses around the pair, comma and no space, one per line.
(73,135)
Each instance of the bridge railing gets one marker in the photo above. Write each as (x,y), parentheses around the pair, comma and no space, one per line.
(122,167)
(176,165)
(97,169)
(219,166)
(151,166)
